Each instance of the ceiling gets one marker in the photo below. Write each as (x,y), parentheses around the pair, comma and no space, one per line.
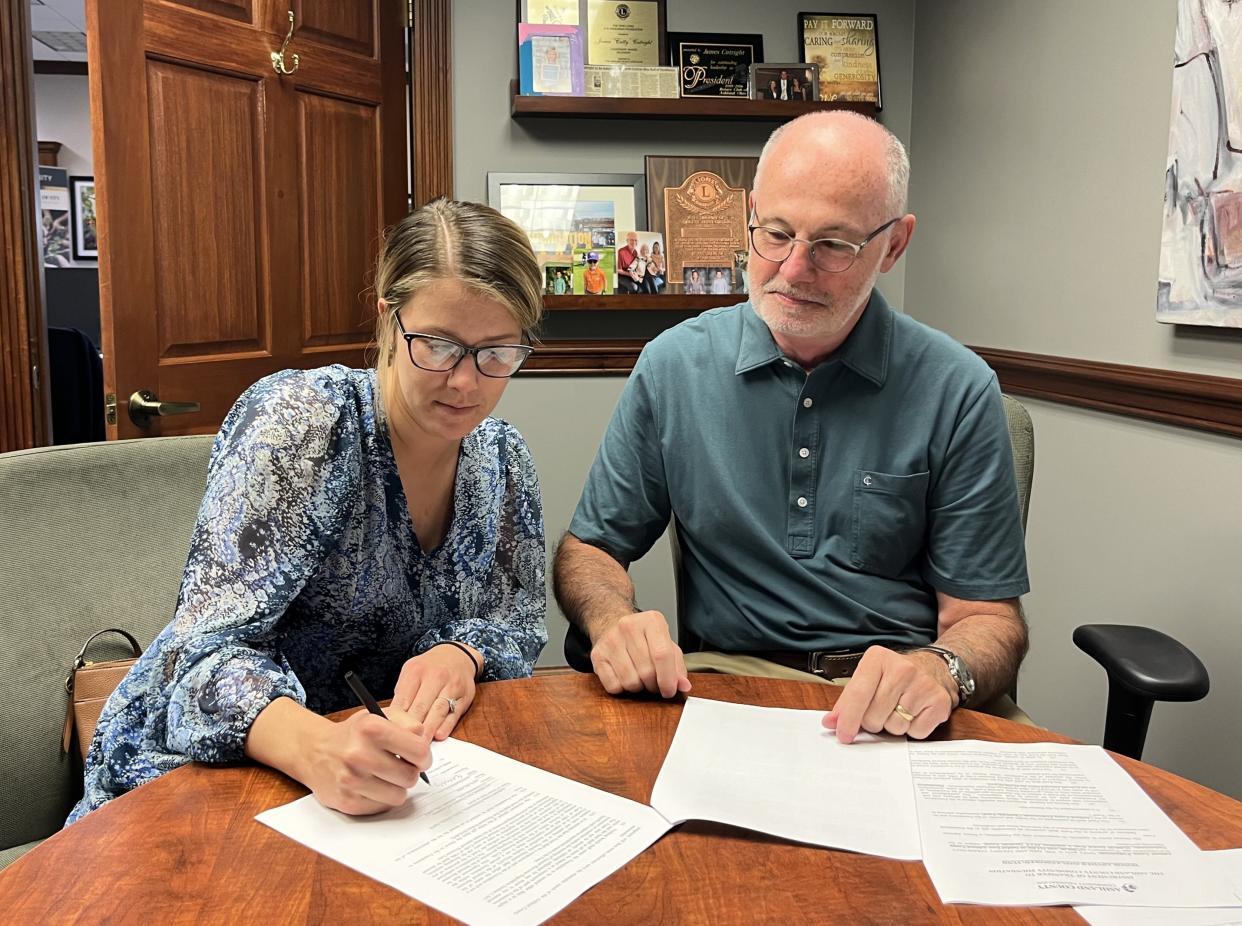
(59,29)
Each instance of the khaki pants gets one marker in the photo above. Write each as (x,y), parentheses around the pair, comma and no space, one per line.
(734,664)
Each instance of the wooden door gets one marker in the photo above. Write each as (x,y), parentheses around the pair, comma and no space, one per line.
(239,209)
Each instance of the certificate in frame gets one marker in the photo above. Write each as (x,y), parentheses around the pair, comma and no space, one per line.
(632,32)
(714,63)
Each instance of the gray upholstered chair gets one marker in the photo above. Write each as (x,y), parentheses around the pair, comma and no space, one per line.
(91,536)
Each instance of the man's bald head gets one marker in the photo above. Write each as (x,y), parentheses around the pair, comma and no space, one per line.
(843,141)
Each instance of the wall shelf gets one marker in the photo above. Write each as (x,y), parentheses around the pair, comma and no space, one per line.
(596,107)
(642,302)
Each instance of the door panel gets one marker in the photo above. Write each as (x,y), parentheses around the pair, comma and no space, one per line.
(239,10)
(205,179)
(339,149)
(350,26)
(239,209)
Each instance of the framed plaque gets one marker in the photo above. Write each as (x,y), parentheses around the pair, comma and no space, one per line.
(846,47)
(550,12)
(625,33)
(700,206)
(714,64)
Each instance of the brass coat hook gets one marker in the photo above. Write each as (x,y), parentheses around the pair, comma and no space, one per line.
(278,57)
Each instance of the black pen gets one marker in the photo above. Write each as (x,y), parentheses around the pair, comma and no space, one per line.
(354,682)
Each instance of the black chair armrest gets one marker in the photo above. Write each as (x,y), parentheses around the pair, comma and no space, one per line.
(1147,662)
(578,650)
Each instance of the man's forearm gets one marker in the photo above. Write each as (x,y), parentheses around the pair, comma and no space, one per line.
(592,588)
(992,646)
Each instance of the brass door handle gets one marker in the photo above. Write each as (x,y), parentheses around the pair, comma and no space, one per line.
(145,405)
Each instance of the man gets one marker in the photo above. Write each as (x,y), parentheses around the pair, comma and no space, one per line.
(784,88)
(840,474)
(629,268)
(593,281)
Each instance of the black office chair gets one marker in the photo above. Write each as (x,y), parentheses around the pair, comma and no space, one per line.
(1143,665)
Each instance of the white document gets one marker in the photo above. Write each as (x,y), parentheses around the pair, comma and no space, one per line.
(1045,823)
(491,841)
(1229,864)
(777,770)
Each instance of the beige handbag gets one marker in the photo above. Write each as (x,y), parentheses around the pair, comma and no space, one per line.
(88,685)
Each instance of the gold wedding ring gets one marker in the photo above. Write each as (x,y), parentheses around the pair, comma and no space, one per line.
(903,714)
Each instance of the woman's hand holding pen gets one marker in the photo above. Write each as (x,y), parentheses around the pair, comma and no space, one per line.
(437,687)
(366,764)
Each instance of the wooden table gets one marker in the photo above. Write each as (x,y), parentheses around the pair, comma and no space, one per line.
(187,849)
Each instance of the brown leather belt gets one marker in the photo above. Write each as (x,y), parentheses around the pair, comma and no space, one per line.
(828,663)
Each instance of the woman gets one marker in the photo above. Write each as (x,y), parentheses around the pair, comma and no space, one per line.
(368,520)
(657,271)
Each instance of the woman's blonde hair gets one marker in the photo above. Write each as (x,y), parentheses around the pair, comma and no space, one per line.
(452,240)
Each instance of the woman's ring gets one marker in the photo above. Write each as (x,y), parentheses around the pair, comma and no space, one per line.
(452,703)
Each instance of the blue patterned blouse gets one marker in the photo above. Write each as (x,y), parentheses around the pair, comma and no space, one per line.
(304,565)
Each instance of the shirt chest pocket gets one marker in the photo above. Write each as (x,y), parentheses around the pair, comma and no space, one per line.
(890,520)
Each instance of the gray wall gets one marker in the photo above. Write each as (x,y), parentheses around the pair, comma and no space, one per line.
(563,418)
(1039,140)
(1038,135)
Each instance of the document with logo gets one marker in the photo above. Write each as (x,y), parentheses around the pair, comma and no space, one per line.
(1044,823)
(1229,861)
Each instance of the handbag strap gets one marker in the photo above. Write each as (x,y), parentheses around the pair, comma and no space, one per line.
(80,661)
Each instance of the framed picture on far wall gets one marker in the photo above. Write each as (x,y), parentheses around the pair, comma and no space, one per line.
(846,46)
(82,209)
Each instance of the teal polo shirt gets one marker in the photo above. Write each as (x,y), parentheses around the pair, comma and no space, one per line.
(818,511)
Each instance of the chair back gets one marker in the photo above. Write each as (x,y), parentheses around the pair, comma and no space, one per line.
(91,536)
(1022,439)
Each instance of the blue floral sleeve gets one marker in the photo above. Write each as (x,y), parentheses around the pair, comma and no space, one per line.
(278,492)
(506,621)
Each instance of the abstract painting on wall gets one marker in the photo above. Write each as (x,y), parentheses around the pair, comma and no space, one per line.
(1201,240)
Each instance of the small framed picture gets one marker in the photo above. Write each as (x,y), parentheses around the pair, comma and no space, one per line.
(85,232)
(791,83)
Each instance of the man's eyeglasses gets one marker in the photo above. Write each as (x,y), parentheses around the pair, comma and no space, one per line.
(439,355)
(830,254)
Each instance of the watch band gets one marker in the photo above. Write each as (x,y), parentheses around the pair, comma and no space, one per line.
(958,671)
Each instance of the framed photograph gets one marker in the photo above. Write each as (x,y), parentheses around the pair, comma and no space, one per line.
(846,46)
(700,207)
(85,232)
(568,216)
(550,60)
(714,63)
(790,83)
(641,267)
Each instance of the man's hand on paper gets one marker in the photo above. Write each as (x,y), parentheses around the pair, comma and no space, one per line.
(366,764)
(884,679)
(436,688)
(636,652)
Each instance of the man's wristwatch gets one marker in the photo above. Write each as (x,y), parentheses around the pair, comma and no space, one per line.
(959,672)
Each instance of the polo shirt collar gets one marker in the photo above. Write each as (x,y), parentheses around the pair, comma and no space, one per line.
(865,351)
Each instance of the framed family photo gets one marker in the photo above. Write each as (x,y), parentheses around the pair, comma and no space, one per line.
(82,209)
(796,82)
